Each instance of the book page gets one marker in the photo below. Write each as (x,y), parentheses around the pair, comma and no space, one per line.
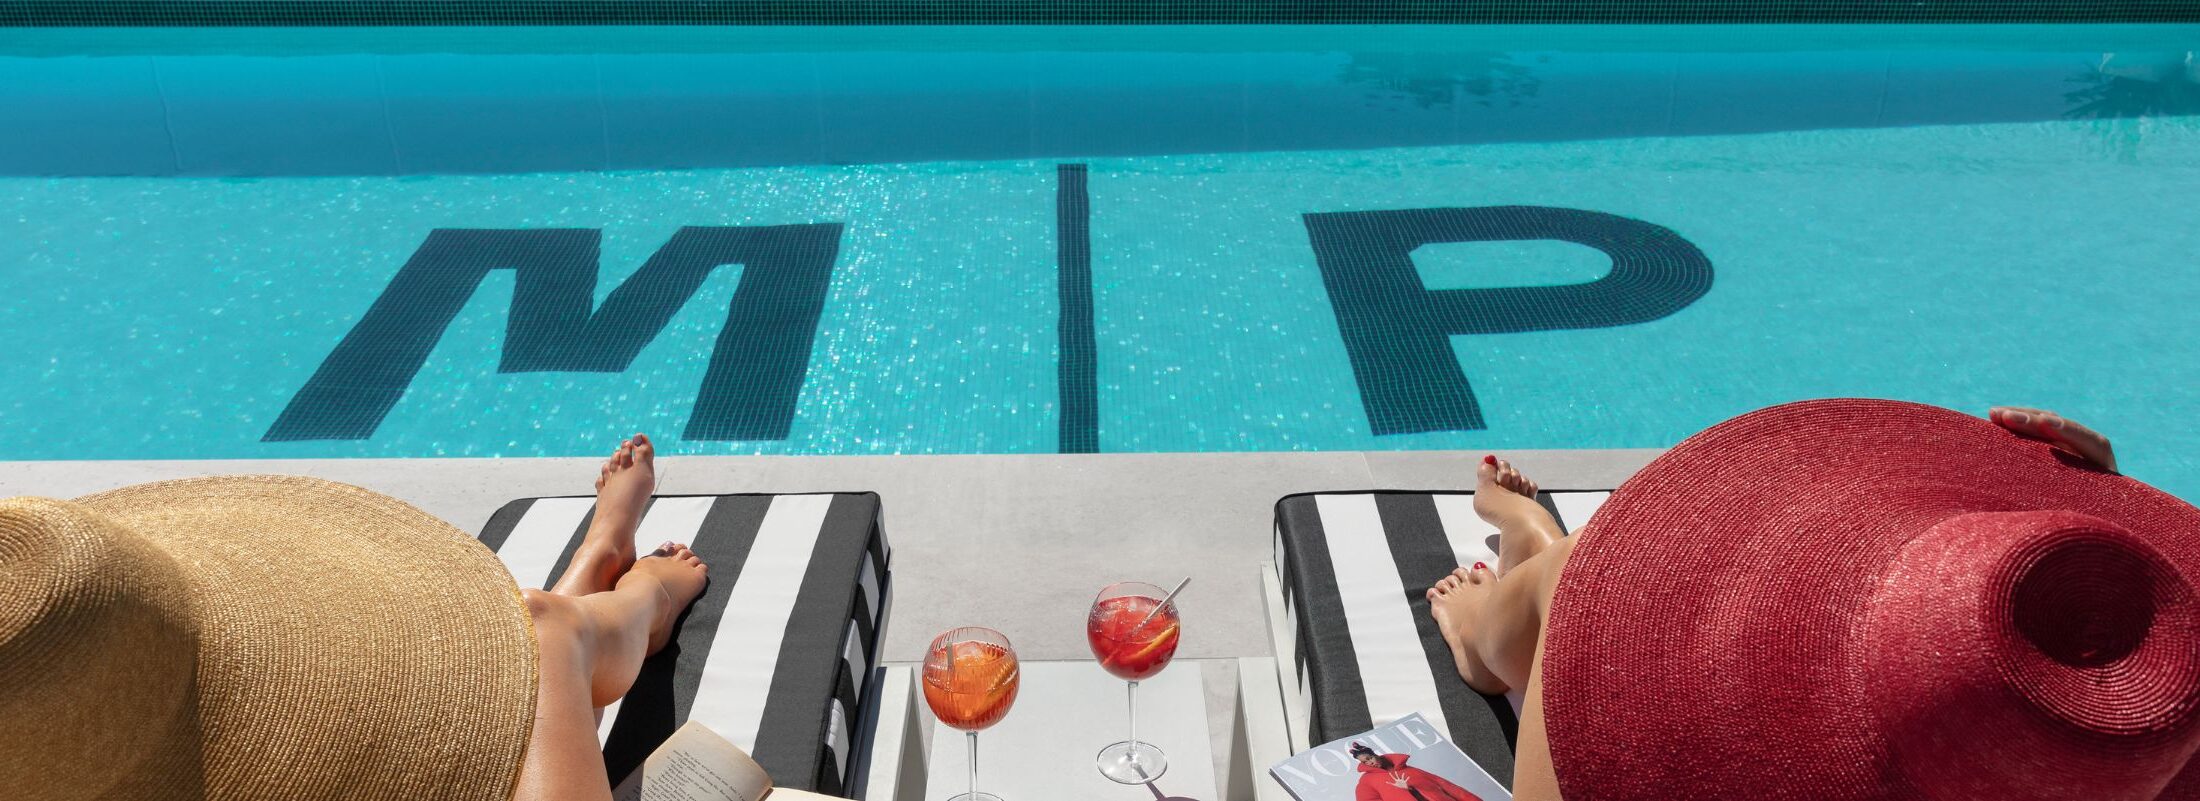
(696,764)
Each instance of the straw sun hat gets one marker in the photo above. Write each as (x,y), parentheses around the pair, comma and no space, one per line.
(256,637)
(1854,599)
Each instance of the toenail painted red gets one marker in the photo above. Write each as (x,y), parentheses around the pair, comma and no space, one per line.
(1490,459)
(1480,566)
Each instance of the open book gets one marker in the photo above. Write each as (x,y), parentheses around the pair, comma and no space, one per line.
(1407,760)
(695,764)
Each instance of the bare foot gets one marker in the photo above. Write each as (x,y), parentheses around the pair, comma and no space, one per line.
(678,575)
(1456,604)
(623,487)
(1506,499)
(2055,430)
(1502,495)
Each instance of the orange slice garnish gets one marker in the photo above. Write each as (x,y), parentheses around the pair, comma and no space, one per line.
(1168,635)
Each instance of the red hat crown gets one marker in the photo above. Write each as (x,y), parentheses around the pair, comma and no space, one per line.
(2042,654)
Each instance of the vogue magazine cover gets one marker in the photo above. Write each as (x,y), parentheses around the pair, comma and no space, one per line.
(1407,760)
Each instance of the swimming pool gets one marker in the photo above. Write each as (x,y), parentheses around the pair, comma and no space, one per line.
(237,243)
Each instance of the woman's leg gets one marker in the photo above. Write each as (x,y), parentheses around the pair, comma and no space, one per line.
(1534,778)
(1493,647)
(563,759)
(623,487)
(1506,499)
(1495,625)
(605,615)
(1500,625)
(590,648)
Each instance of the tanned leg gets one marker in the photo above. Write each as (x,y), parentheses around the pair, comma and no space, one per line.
(1534,777)
(1492,647)
(1495,624)
(563,762)
(590,649)
(1506,499)
(623,487)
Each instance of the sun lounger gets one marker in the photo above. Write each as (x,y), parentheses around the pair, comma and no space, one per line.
(1355,646)
(777,653)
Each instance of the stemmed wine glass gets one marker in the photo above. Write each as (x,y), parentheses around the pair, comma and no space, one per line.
(970,679)
(1133,633)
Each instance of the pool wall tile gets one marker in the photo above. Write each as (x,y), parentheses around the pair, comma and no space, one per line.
(246,116)
(925,106)
(1570,95)
(1994,88)
(1188,102)
(968,12)
(1804,91)
(715,110)
(414,114)
(1316,107)
(83,116)
(519,113)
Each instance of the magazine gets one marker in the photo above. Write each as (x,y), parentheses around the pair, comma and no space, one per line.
(695,764)
(1407,760)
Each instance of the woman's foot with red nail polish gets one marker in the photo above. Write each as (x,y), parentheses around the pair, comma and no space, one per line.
(1456,603)
(1501,492)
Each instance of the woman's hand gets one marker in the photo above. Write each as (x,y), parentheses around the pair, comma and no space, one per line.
(2053,429)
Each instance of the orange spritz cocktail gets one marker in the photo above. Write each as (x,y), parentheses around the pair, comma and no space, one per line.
(1130,645)
(970,685)
(970,679)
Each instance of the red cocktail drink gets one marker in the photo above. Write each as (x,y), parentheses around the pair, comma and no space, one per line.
(1130,645)
(1133,630)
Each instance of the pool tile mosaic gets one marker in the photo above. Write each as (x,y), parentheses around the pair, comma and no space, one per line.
(979,12)
(1218,247)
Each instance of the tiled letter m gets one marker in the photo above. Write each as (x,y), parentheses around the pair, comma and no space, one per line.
(755,371)
(1397,331)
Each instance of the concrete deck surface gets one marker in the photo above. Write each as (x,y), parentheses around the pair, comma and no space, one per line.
(1017,543)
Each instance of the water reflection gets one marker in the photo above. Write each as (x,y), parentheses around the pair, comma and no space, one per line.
(2130,95)
(1440,80)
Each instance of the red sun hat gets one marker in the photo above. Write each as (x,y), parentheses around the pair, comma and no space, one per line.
(1845,600)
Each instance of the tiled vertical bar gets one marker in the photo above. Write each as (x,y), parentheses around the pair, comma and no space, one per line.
(1079,360)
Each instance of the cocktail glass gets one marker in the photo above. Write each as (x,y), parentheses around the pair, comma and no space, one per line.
(1133,634)
(970,680)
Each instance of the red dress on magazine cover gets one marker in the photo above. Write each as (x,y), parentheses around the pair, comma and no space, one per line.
(1393,781)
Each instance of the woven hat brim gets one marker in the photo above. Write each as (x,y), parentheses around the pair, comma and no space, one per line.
(350,645)
(1699,642)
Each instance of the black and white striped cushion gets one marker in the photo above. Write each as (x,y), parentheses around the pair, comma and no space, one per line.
(1355,569)
(775,655)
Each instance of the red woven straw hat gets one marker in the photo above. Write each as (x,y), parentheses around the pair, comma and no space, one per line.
(1860,599)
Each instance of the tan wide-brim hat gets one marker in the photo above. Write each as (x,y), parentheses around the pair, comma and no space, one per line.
(256,637)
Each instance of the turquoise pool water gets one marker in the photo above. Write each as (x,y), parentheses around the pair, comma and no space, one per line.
(190,227)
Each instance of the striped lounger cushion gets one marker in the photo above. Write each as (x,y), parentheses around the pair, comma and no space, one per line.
(1355,566)
(776,654)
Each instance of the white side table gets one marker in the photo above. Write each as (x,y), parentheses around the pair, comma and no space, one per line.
(1065,713)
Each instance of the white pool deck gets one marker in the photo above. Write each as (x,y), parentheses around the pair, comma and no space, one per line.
(1018,543)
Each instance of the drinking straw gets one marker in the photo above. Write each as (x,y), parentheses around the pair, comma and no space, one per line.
(1164,602)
